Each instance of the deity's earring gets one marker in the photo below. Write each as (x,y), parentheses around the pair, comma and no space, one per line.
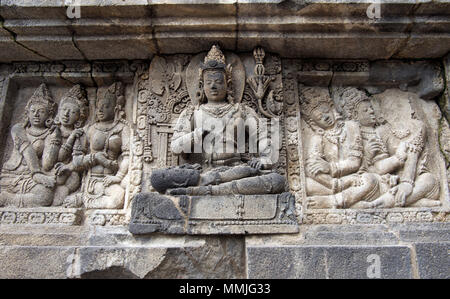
(57,121)
(49,122)
(199,93)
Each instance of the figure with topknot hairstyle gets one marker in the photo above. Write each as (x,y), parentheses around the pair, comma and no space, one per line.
(107,159)
(402,182)
(72,114)
(212,123)
(333,155)
(26,179)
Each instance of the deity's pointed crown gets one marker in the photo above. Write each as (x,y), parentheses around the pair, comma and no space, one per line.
(77,95)
(42,96)
(116,93)
(312,97)
(214,59)
(349,98)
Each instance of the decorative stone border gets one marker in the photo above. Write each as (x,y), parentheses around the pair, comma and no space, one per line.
(40,216)
(379,216)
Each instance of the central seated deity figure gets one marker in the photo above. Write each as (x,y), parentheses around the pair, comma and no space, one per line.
(208,136)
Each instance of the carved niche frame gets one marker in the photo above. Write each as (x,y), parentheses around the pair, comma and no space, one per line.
(425,79)
(63,75)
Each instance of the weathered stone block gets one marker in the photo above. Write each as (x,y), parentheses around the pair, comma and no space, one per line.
(336,262)
(433,259)
(34,262)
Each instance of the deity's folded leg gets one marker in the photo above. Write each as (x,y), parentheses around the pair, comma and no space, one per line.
(272,183)
(228,174)
(425,192)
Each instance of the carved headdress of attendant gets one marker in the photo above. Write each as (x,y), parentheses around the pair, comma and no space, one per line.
(115,94)
(316,100)
(215,60)
(350,98)
(76,96)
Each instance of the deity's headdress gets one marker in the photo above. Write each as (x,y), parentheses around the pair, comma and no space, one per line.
(116,94)
(215,60)
(77,96)
(349,99)
(43,97)
(313,97)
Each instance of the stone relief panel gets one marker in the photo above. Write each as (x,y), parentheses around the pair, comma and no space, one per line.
(53,148)
(205,180)
(371,155)
(70,148)
(119,143)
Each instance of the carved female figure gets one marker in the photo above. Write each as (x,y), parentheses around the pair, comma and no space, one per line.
(107,163)
(393,160)
(334,153)
(224,169)
(26,178)
(72,113)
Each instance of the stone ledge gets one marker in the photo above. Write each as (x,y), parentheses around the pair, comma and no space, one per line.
(112,253)
(141,29)
(331,251)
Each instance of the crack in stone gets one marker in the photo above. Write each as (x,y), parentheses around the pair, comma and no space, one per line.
(236,5)
(414,262)
(408,31)
(154,40)
(14,37)
(85,58)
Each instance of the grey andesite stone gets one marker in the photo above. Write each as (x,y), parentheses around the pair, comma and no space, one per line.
(336,262)
(140,29)
(433,260)
(154,50)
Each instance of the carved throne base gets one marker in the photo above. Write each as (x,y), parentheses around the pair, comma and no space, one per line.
(231,214)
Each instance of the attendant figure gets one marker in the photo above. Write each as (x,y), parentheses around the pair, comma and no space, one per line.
(107,161)
(333,155)
(72,114)
(26,179)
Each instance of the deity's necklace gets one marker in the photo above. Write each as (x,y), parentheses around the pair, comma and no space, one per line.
(108,128)
(217,111)
(38,134)
(335,135)
(366,135)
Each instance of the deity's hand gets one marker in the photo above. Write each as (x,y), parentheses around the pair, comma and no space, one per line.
(77,133)
(402,151)
(47,181)
(403,191)
(317,166)
(110,180)
(374,146)
(255,163)
(102,159)
(63,169)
